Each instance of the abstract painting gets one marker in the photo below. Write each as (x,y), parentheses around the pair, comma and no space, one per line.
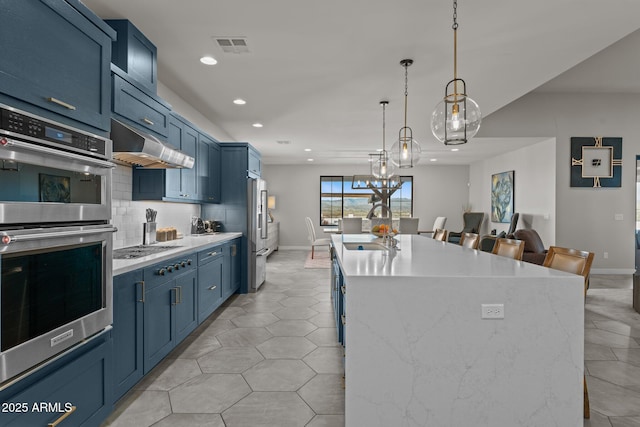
(502,195)
(54,188)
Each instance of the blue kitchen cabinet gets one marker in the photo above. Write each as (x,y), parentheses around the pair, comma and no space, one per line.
(208,160)
(187,306)
(128,305)
(164,284)
(172,185)
(138,109)
(79,380)
(135,54)
(210,281)
(231,275)
(56,60)
(338,290)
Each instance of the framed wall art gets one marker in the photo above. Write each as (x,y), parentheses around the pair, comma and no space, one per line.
(502,196)
(596,162)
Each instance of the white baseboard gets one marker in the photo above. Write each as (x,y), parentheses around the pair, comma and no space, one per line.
(612,271)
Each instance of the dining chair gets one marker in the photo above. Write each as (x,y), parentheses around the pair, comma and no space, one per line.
(576,262)
(472,223)
(313,239)
(437,224)
(351,225)
(408,225)
(510,248)
(441,235)
(470,240)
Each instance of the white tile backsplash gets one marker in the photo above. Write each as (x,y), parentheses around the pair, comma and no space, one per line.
(128,215)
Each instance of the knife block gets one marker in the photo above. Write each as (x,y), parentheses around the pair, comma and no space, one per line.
(148,233)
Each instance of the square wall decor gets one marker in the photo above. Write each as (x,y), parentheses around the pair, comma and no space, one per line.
(596,162)
(502,187)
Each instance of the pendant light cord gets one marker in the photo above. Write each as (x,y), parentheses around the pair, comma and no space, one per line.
(455,49)
(384,108)
(406,94)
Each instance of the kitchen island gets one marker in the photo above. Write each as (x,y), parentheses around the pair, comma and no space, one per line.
(418,351)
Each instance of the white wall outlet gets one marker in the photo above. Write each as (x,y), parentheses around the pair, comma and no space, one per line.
(606,255)
(493,311)
(618,217)
(546,216)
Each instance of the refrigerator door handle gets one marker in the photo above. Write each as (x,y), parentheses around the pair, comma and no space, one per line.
(262,217)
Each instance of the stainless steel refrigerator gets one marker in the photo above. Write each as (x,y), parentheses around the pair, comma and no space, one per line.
(257,232)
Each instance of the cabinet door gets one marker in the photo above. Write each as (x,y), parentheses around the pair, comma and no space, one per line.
(203,169)
(128,303)
(173,177)
(189,176)
(56,59)
(82,383)
(159,323)
(139,109)
(209,287)
(208,170)
(187,306)
(214,174)
(234,268)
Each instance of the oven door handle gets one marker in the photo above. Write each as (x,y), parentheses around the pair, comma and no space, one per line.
(6,239)
(58,153)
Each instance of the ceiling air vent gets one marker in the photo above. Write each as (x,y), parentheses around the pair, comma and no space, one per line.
(232,44)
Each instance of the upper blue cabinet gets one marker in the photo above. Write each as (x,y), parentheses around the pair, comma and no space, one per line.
(56,61)
(135,54)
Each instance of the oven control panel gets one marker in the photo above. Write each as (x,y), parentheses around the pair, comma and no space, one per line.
(47,131)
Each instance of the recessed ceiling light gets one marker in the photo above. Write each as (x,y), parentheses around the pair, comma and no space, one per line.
(239,101)
(208,60)
(307,149)
(257,125)
(433,160)
(455,149)
(309,160)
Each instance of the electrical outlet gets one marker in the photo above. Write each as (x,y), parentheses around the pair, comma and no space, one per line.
(493,311)
(606,255)
(618,217)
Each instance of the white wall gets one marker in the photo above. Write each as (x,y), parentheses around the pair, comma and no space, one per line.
(438,191)
(584,216)
(535,188)
(181,107)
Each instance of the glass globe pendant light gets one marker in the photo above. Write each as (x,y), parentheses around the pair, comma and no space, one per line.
(381,165)
(405,152)
(457,117)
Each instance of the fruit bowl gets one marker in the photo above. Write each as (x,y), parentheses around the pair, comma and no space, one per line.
(382,234)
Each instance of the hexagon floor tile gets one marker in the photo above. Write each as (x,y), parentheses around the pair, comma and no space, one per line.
(324,394)
(269,409)
(243,337)
(291,328)
(208,393)
(278,375)
(230,360)
(286,348)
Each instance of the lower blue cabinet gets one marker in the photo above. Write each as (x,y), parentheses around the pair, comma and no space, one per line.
(187,306)
(127,331)
(77,387)
(210,281)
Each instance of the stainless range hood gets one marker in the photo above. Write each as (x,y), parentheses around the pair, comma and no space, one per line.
(142,149)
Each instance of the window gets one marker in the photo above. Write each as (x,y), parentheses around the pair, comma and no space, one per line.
(338,199)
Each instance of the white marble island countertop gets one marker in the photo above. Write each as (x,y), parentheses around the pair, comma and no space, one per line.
(419,353)
(184,245)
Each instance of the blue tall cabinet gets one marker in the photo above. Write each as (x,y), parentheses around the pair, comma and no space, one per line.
(239,162)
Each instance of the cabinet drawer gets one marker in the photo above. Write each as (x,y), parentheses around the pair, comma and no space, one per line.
(165,271)
(82,384)
(56,59)
(210,278)
(138,108)
(209,255)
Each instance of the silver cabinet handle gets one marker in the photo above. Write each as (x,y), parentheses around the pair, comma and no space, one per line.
(179,288)
(212,287)
(344,319)
(175,300)
(213,253)
(143,291)
(61,103)
(343,289)
(147,121)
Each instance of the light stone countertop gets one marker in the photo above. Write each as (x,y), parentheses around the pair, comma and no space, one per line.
(185,245)
(419,353)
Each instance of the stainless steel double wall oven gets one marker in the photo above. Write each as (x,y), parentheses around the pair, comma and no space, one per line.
(55,239)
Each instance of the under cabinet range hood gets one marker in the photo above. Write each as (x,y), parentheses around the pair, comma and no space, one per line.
(142,149)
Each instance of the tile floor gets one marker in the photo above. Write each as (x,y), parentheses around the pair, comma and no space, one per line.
(271,359)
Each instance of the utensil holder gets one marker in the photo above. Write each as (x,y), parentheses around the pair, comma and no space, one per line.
(148,233)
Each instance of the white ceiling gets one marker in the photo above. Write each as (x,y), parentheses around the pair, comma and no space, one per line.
(317,70)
